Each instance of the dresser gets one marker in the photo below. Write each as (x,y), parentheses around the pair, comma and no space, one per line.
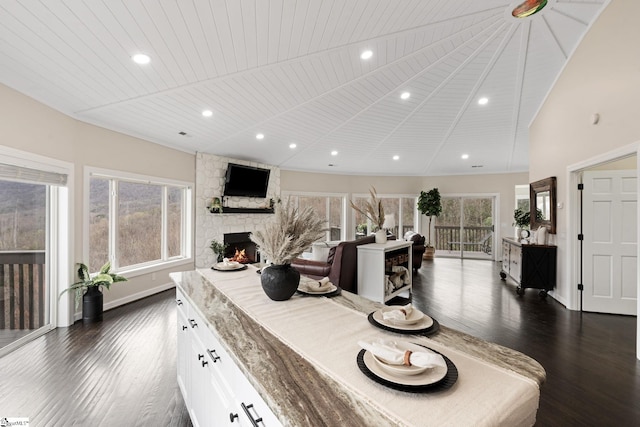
(530,266)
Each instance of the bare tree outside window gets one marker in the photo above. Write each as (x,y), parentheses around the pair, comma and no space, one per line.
(98,223)
(140,231)
(174,221)
(22,216)
(139,223)
(408,214)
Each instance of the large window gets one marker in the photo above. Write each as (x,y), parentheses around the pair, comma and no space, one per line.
(327,206)
(400,213)
(136,222)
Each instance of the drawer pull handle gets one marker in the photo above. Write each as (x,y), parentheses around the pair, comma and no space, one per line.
(213,355)
(204,363)
(200,356)
(254,421)
(232,416)
(184,327)
(193,323)
(179,301)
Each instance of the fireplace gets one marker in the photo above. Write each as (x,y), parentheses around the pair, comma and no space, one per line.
(237,242)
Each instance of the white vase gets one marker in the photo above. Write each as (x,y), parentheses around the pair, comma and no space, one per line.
(381,236)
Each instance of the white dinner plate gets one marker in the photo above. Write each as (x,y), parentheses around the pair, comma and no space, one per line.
(423,323)
(413,317)
(401,374)
(231,265)
(306,290)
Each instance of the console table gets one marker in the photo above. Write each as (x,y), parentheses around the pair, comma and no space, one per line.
(530,266)
(294,363)
(379,277)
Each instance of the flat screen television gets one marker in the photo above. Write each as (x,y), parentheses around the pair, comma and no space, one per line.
(246,181)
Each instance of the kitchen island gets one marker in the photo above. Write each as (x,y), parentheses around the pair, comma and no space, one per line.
(299,357)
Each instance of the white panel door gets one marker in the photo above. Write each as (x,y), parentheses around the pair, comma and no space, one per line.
(610,242)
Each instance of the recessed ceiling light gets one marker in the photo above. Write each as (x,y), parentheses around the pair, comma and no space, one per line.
(405,95)
(207,113)
(292,145)
(259,136)
(334,153)
(141,58)
(483,101)
(465,156)
(396,157)
(366,54)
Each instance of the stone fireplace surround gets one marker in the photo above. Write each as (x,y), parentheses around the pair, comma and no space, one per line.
(210,173)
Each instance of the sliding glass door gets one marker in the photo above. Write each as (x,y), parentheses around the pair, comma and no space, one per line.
(24,293)
(465,227)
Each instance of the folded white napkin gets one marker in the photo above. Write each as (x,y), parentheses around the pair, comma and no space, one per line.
(389,352)
(398,314)
(311,285)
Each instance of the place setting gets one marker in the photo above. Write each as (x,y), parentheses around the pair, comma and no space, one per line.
(403,319)
(406,366)
(227,265)
(318,288)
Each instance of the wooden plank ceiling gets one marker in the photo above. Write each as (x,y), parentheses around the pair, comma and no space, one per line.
(291,70)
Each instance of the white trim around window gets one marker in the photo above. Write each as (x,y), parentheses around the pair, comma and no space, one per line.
(186,223)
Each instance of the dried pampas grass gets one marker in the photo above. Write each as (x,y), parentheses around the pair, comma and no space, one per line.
(372,210)
(289,233)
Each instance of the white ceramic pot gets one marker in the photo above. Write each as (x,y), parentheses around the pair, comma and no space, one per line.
(381,236)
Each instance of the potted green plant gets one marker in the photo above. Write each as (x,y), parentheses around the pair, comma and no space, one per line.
(92,298)
(373,211)
(218,249)
(215,205)
(281,240)
(430,204)
(522,219)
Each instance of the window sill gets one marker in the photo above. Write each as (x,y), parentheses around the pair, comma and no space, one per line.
(148,269)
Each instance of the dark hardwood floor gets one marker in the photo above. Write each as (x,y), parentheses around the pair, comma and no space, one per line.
(593,376)
(122,371)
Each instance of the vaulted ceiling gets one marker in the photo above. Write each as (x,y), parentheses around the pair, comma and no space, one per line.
(291,70)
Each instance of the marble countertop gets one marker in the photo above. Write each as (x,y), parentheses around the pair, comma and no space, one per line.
(319,398)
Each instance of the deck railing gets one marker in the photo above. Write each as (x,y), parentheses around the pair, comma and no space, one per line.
(22,290)
(475,238)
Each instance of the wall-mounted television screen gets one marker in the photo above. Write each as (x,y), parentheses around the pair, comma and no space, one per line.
(246,181)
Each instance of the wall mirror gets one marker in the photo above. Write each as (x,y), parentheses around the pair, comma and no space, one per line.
(542,197)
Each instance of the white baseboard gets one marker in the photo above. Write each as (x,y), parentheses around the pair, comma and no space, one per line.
(130,298)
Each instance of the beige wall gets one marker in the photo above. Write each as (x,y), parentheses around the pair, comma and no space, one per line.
(502,184)
(602,76)
(30,126)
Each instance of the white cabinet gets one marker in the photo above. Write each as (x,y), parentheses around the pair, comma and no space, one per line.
(183,343)
(384,270)
(215,390)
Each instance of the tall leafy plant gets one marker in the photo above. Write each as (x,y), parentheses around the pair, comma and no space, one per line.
(430,204)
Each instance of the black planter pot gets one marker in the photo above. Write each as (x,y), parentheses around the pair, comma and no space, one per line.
(280,282)
(92,303)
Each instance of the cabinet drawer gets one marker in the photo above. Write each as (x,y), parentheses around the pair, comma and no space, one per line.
(250,404)
(181,302)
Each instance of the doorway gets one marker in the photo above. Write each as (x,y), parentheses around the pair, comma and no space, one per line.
(465,228)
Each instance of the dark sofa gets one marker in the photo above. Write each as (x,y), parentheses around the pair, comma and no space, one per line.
(418,248)
(341,266)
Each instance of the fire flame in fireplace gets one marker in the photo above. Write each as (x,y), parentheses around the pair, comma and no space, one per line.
(241,257)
